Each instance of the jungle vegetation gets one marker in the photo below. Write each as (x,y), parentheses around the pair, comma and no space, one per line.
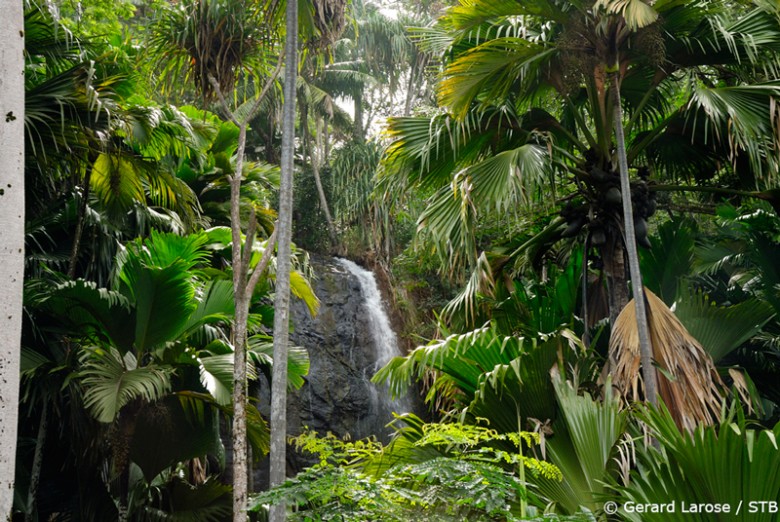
(576,205)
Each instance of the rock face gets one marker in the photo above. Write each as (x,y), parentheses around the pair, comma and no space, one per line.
(346,346)
(347,342)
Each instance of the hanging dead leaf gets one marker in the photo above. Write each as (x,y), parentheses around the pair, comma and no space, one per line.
(688,382)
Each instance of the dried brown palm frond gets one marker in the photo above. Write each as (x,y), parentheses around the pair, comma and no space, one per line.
(687,380)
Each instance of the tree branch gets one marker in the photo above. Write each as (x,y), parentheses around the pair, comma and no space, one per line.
(262,265)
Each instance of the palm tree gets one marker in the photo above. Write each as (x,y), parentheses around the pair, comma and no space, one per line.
(153,347)
(217,45)
(690,78)
(12,253)
(100,163)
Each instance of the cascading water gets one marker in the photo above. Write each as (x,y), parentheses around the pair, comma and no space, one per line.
(349,339)
(385,340)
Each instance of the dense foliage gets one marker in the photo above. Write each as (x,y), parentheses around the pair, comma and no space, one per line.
(465,150)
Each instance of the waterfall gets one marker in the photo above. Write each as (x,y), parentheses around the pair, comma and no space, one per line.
(348,341)
(384,339)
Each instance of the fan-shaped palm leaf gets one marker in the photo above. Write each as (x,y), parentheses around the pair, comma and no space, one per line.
(583,444)
(261,353)
(91,310)
(112,381)
(729,462)
(721,329)
(688,382)
(216,375)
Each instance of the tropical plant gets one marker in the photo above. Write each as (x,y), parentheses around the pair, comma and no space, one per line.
(583,437)
(102,159)
(152,362)
(216,45)
(730,465)
(588,444)
(463,466)
(681,72)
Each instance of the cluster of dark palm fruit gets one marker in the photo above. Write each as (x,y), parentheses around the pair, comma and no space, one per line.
(606,203)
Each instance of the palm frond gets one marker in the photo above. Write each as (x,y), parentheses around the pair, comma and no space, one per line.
(261,353)
(584,443)
(112,381)
(729,462)
(497,184)
(688,382)
(216,375)
(490,71)
(636,13)
(721,329)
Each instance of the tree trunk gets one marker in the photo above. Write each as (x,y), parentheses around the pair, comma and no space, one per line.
(278,459)
(313,150)
(35,473)
(243,288)
(617,280)
(315,167)
(12,244)
(80,218)
(358,134)
(645,347)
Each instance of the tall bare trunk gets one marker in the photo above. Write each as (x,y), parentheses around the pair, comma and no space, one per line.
(81,216)
(12,240)
(35,473)
(645,348)
(359,134)
(316,163)
(278,458)
(243,288)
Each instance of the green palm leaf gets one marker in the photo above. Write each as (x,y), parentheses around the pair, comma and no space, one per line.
(116,183)
(163,298)
(497,184)
(215,366)
(261,353)
(721,329)
(727,464)
(111,381)
(103,312)
(584,443)
(636,13)
(215,305)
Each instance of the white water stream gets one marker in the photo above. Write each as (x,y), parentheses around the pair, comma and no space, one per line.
(385,340)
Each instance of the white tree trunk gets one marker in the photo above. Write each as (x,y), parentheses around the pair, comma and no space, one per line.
(278,464)
(11,239)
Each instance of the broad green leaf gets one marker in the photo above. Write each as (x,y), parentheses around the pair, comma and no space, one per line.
(112,381)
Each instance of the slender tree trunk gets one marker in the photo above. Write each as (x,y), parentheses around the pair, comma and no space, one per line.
(243,288)
(313,150)
(278,464)
(358,134)
(326,140)
(645,346)
(617,280)
(80,218)
(35,473)
(240,462)
(314,154)
(12,243)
